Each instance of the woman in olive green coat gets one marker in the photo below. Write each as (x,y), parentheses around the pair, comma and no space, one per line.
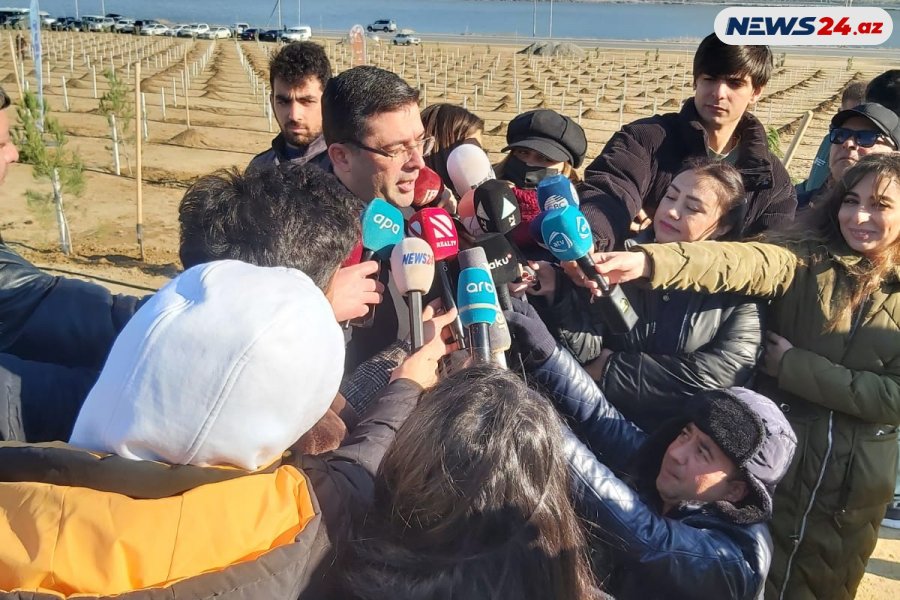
(832,361)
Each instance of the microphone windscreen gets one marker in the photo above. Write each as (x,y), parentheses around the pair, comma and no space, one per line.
(472,258)
(476,299)
(556,191)
(468,167)
(534,228)
(500,256)
(436,227)
(428,189)
(567,234)
(412,265)
(466,206)
(355,256)
(382,228)
(496,207)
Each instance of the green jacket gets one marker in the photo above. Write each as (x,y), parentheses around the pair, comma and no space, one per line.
(840,390)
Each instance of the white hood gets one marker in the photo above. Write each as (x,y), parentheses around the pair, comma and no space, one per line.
(228,364)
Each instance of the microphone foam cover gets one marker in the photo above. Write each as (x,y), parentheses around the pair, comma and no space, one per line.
(468,167)
(556,191)
(382,227)
(472,258)
(476,299)
(435,226)
(567,233)
(412,265)
(429,187)
(496,206)
(501,258)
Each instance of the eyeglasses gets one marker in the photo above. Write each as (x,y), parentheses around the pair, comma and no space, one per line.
(864,139)
(424,146)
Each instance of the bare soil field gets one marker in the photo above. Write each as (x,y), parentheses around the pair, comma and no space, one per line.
(227,86)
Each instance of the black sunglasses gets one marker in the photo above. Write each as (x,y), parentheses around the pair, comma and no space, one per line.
(864,139)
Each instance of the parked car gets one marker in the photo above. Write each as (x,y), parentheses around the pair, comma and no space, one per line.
(141,23)
(239,28)
(174,29)
(96,23)
(249,34)
(215,33)
(301,33)
(124,26)
(406,39)
(66,24)
(270,35)
(385,25)
(193,30)
(154,29)
(46,19)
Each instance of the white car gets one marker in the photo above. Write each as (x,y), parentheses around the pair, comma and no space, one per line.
(385,25)
(124,26)
(174,29)
(216,33)
(97,23)
(301,33)
(154,29)
(238,28)
(193,30)
(406,39)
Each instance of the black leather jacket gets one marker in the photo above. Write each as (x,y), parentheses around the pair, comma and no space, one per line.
(695,551)
(649,374)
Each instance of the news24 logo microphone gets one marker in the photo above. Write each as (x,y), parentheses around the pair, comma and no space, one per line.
(476,300)
(568,236)
(556,192)
(412,263)
(804,26)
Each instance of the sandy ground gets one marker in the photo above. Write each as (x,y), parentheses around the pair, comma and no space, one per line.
(229,125)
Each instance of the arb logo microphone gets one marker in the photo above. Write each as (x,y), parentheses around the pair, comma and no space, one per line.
(804,26)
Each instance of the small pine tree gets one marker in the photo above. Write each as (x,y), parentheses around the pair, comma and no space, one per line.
(773,140)
(116,102)
(46,152)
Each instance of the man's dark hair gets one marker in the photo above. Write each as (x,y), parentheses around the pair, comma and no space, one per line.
(854,92)
(285,216)
(885,90)
(297,61)
(4,99)
(357,94)
(718,59)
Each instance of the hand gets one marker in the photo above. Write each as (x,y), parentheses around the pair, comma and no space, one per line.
(775,349)
(543,284)
(532,337)
(421,366)
(353,289)
(617,267)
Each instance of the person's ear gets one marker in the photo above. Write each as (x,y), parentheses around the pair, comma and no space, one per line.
(340,157)
(737,491)
(757,92)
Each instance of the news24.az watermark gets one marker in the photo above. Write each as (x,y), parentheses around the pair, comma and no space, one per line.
(804,26)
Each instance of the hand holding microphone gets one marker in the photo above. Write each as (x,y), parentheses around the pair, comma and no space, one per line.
(422,365)
(354,290)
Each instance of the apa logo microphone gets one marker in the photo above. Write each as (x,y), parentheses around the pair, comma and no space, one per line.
(385,222)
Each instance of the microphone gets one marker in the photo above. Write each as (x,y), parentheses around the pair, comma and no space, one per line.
(501,261)
(534,228)
(556,191)
(436,227)
(568,237)
(468,167)
(496,207)
(429,188)
(477,303)
(500,337)
(382,229)
(412,263)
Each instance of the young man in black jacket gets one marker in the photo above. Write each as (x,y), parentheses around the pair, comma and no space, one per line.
(638,163)
(680,512)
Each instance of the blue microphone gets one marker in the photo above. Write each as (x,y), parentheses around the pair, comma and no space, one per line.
(556,191)
(568,236)
(382,228)
(476,300)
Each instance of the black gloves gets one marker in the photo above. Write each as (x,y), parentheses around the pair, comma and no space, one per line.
(531,336)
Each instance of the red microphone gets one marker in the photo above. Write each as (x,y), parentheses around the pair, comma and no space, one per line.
(355,256)
(435,226)
(429,189)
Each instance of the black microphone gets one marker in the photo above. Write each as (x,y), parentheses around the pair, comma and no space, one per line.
(501,260)
(497,211)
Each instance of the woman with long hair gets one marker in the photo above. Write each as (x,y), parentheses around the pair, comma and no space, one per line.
(450,125)
(685,342)
(472,501)
(832,359)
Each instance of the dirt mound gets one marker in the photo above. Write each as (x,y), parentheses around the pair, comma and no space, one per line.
(192,138)
(592,113)
(552,49)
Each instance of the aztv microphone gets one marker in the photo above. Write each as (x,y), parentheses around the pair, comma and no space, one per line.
(412,264)
(556,191)
(382,229)
(477,304)
(436,227)
(468,167)
(568,236)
